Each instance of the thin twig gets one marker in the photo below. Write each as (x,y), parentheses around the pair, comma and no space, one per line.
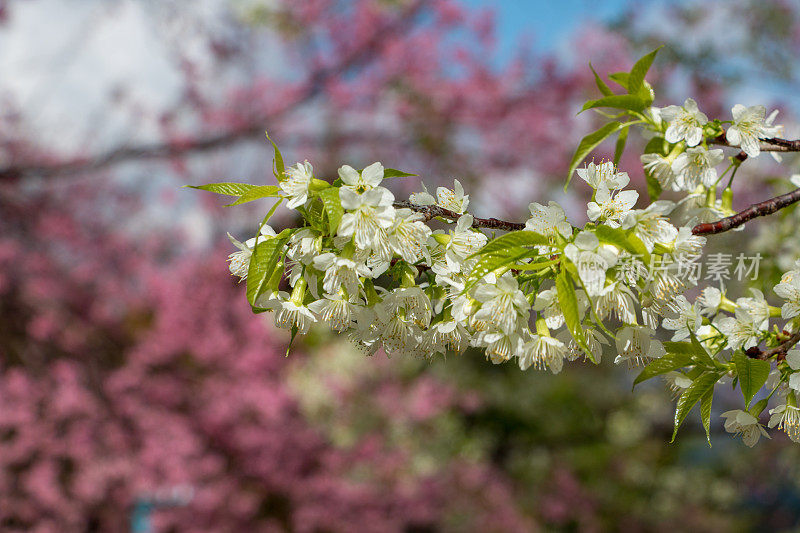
(761,209)
(780,350)
(774,144)
(785,144)
(433,211)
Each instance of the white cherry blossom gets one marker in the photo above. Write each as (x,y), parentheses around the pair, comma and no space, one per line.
(611,208)
(604,174)
(503,304)
(636,346)
(239,261)
(695,167)
(335,310)
(543,352)
(787,418)
(292,315)
(789,290)
(687,319)
(453,199)
(408,236)
(685,123)
(549,220)
(660,167)
(369,216)
(366,180)
(743,423)
(749,126)
(296,182)
(592,260)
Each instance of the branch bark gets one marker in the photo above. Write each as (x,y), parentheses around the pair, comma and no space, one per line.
(433,211)
(761,209)
(780,350)
(775,144)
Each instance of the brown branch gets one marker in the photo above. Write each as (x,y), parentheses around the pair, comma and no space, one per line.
(433,211)
(785,144)
(780,350)
(775,144)
(765,208)
(313,87)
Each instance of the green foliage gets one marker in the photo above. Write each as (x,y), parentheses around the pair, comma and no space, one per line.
(256,193)
(226,188)
(394,173)
(701,356)
(627,102)
(752,375)
(636,82)
(601,85)
(622,138)
(639,96)
(499,259)
(506,252)
(278,167)
(705,412)
(333,207)
(672,360)
(623,239)
(656,145)
(568,302)
(266,255)
(589,143)
(620,78)
(701,386)
(512,240)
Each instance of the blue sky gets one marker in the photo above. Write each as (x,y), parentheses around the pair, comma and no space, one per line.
(548,22)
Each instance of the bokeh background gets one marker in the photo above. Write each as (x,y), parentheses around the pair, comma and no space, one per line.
(131,369)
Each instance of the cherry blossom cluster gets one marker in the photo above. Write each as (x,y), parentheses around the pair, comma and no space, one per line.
(423,277)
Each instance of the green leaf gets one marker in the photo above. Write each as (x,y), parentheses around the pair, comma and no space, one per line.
(270,213)
(682,348)
(538,265)
(758,407)
(656,145)
(568,302)
(394,173)
(752,373)
(511,240)
(314,215)
(266,255)
(278,168)
(705,412)
(666,363)
(629,102)
(654,189)
(589,143)
(601,85)
(291,341)
(701,356)
(636,83)
(333,206)
(620,78)
(620,146)
(623,239)
(699,388)
(256,193)
(226,188)
(499,259)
